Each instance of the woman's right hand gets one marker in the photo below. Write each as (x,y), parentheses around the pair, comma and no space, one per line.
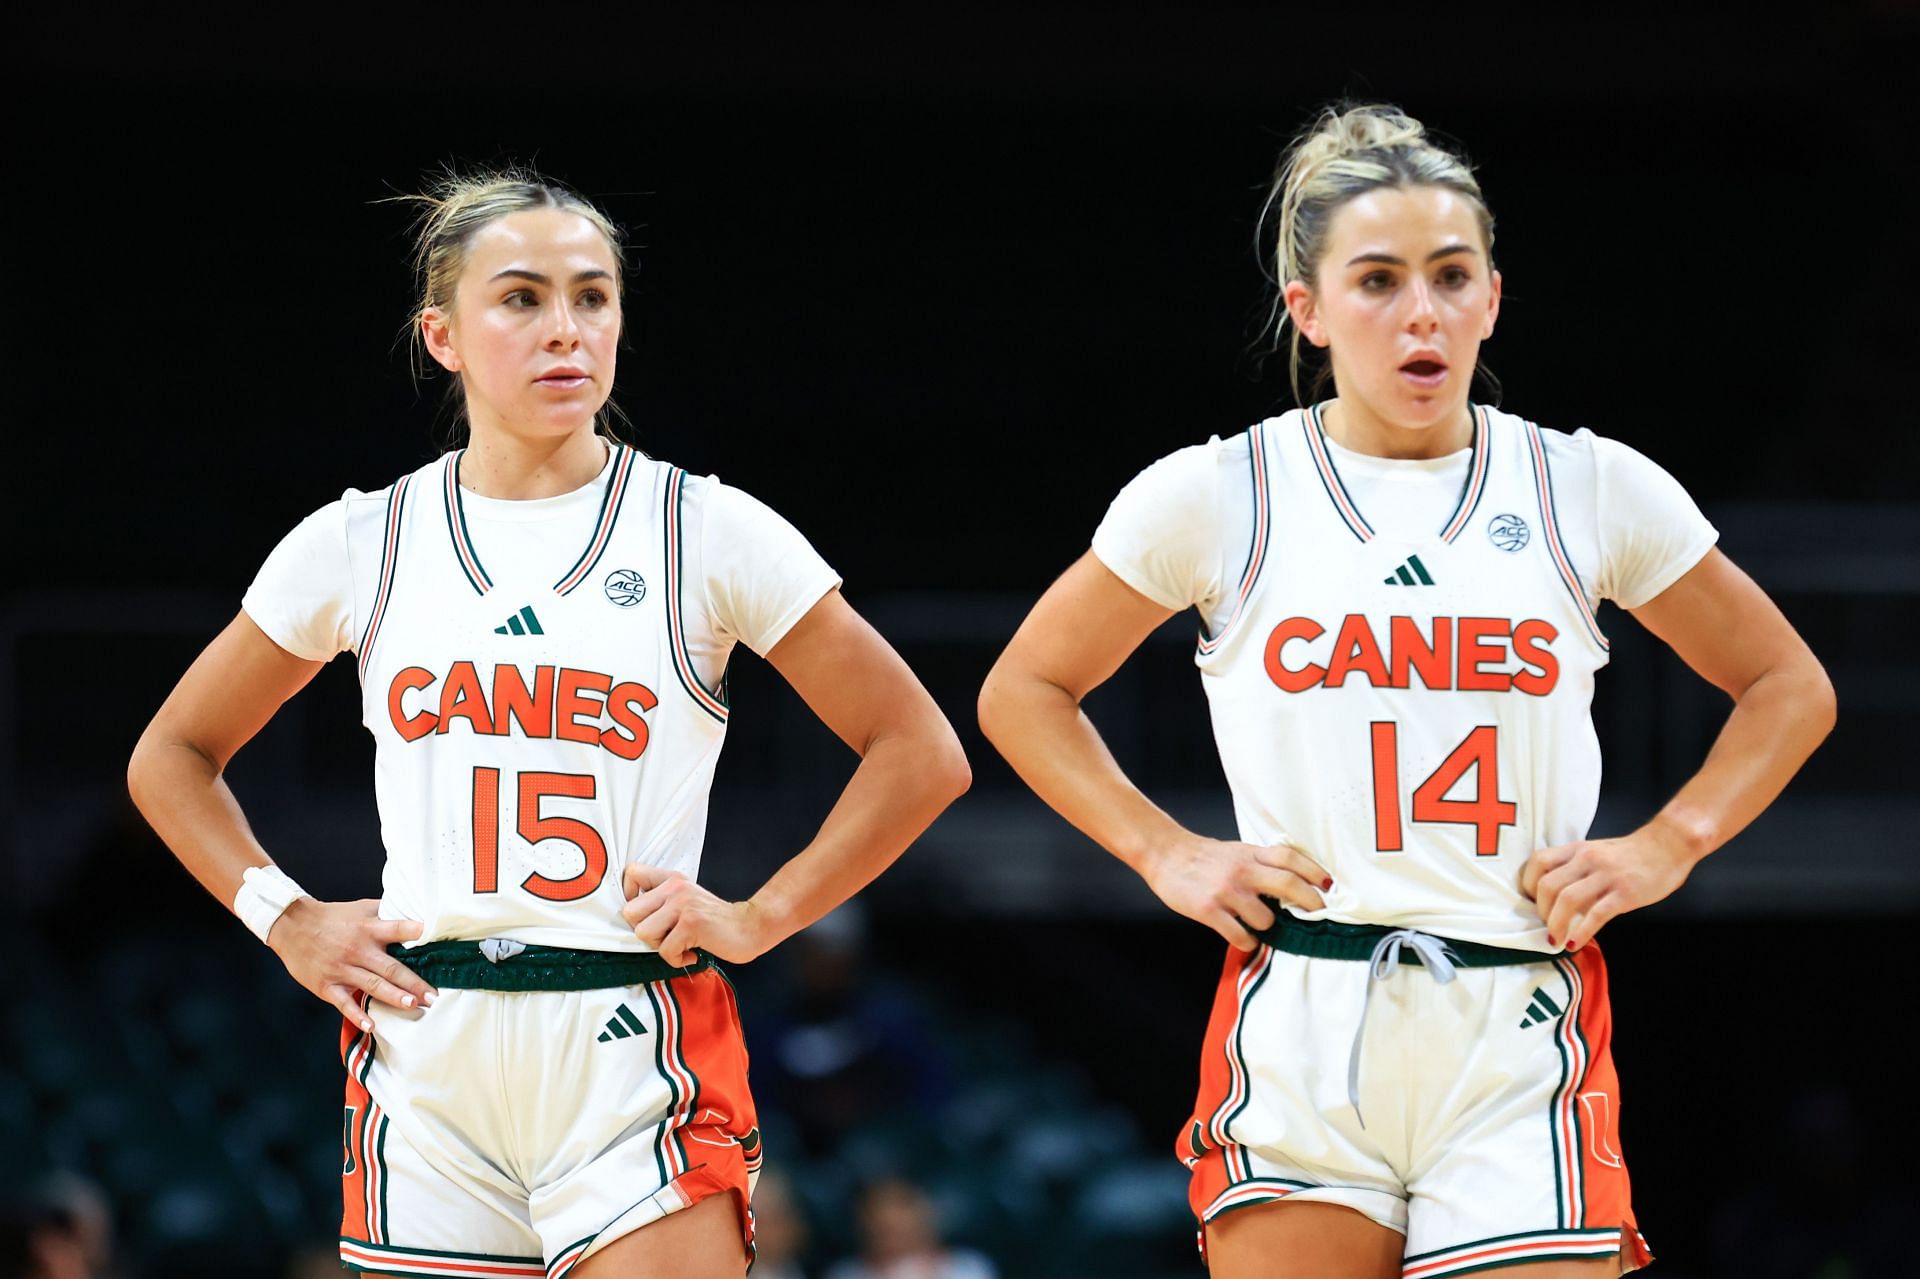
(338,950)
(1226,885)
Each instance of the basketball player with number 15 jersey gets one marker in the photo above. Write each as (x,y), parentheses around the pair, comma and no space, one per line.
(545,1071)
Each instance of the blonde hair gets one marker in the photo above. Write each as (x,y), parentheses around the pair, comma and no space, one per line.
(452,210)
(1348,150)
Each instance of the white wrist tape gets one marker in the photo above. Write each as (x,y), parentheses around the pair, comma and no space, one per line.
(265,893)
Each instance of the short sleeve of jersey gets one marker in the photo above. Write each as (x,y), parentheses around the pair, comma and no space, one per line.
(1651,532)
(302,597)
(761,573)
(1163,534)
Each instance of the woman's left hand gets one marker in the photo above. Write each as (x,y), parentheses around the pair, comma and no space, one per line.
(674,915)
(1579,887)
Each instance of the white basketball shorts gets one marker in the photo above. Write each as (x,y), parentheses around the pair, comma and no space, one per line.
(1478,1116)
(515,1132)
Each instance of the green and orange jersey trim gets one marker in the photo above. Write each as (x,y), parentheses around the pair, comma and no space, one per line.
(1257,552)
(709,700)
(389,566)
(602,526)
(463,551)
(610,503)
(1562,562)
(1313,427)
(1476,475)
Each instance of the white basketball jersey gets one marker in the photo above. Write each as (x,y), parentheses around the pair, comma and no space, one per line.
(1412,713)
(534,734)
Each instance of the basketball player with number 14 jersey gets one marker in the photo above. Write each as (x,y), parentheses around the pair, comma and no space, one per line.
(1407,1070)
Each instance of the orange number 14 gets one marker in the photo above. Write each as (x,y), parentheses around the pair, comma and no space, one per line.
(1486,812)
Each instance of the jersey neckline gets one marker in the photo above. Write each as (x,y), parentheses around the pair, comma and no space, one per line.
(1320,445)
(618,472)
(529,510)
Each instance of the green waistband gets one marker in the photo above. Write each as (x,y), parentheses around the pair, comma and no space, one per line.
(1326,939)
(461,965)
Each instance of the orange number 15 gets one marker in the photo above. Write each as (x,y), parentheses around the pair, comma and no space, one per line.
(533,828)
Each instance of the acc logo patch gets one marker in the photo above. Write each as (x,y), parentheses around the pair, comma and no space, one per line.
(1508,532)
(626,587)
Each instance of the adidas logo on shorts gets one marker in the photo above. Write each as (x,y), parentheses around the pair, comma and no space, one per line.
(1541,1009)
(622,1025)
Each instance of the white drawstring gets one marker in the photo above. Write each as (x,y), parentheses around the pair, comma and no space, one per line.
(1434,957)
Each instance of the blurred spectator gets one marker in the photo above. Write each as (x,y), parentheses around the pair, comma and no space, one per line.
(838,1049)
(900,1240)
(779,1229)
(39,1241)
(81,1206)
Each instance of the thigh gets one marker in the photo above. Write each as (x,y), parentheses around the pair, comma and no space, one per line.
(700,1242)
(1301,1240)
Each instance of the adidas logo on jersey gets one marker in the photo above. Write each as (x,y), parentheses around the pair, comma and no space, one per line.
(521,623)
(622,1025)
(1541,1009)
(1412,573)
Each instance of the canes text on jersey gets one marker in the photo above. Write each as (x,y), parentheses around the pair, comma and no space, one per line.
(563,702)
(1456,654)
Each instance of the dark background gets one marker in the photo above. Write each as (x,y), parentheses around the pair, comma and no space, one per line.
(935,283)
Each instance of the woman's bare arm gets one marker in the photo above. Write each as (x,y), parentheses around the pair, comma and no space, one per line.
(1077,636)
(911,767)
(176,777)
(1723,626)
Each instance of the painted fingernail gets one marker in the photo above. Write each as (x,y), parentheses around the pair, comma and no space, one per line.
(426,1000)
(1326,883)
(406,1001)
(1551,942)
(365,1024)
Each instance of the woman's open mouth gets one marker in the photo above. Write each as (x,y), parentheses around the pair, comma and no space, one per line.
(1424,373)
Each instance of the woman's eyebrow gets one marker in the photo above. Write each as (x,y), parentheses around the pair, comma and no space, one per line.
(517,273)
(1434,256)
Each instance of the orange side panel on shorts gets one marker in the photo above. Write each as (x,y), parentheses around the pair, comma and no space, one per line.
(1609,1196)
(720,1132)
(1197,1145)
(357,1169)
